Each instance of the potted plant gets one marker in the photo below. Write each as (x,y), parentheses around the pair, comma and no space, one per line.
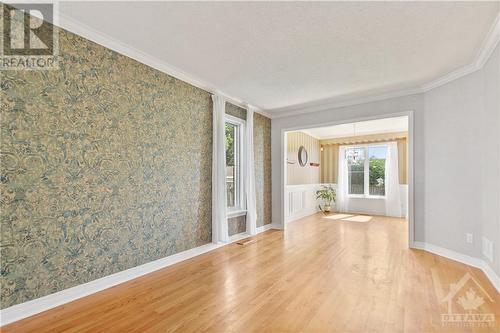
(328,195)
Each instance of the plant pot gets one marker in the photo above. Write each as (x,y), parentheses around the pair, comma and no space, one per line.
(327,208)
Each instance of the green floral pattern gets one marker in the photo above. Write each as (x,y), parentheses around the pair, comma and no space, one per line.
(105,165)
(236,225)
(262,160)
(236,111)
(99,171)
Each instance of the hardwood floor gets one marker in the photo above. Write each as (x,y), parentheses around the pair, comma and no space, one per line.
(321,275)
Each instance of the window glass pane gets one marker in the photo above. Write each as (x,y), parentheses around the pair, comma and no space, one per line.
(377,169)
(230,164)
(356,170)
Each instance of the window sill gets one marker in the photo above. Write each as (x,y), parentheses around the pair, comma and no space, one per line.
(236,213)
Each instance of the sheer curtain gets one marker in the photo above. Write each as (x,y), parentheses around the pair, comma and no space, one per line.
(219,214)
(342,182)
(250,175)
(392,195)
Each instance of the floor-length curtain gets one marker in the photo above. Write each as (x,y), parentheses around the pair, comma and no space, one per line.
(342,183)
(392,195)
(219,204)
(250,175)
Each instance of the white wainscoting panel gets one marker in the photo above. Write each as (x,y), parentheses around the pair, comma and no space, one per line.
(403,191)
(375,206)
(300,201)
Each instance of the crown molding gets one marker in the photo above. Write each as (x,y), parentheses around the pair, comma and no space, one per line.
(489,44)
(365,138)
(83,30)
(333,103)
(487,47)
(306,132)
(456,74)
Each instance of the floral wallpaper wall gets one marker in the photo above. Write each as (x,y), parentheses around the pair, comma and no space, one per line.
(236,225)
(236,111)
(99,170)
(262,160)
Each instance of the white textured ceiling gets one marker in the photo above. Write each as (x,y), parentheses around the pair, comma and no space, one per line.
(386,125)
(280,54)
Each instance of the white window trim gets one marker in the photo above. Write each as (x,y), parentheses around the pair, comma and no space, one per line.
(366,189)
(235,213)
(240,197)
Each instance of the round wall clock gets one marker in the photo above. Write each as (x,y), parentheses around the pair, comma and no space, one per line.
(302,156)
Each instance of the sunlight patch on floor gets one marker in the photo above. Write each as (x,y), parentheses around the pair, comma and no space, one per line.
(358,218)
(338,216)
(350,218)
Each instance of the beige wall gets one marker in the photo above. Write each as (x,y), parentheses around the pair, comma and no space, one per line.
(307,174)
(329,155)
(403,160)
(329,163)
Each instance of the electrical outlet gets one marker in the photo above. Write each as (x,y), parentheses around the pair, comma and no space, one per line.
(469,238)
(487,248)
(491,252)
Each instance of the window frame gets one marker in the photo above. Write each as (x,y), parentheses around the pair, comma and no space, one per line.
(366,187)
(239,161)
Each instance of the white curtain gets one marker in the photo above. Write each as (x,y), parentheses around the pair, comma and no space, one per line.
(342,182)
(250,175)
(392,195)
(219,214)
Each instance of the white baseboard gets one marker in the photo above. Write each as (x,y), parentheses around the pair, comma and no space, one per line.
(30,308)
(237,237)
(27,309)
(276,226)
(443,252)
(463,258)
(303,213)
(265,227)
(365,212)
(491,275)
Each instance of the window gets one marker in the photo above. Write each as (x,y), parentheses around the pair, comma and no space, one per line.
(231,176)
(366,170)
(234,132)
(377,170)
(356,169)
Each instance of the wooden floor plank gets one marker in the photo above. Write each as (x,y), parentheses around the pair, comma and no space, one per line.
(321,275)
